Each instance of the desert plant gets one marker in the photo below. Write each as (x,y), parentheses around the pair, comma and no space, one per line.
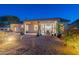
(71,38)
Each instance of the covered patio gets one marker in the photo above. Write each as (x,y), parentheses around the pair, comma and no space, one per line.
(41,27)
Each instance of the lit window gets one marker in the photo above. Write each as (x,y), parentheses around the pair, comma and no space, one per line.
(35,27)
(62,27)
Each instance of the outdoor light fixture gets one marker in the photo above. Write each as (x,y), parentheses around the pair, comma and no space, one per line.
(10,39)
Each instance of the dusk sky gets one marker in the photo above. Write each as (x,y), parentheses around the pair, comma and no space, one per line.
(70,12)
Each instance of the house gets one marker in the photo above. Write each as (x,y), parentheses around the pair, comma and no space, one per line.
(7,21)
(16,27)
(45,26)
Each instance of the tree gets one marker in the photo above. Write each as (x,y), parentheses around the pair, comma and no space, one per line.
(10,19)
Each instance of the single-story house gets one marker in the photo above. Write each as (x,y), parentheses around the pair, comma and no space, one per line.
(16,27)
(45,26)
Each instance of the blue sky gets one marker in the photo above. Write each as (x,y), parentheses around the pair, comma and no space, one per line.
(67,11)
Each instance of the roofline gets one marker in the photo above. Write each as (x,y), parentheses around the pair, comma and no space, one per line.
(46,19)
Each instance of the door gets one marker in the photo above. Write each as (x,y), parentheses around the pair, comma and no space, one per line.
(48,28)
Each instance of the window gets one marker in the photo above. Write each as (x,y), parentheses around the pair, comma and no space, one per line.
(35,27)
(62,27)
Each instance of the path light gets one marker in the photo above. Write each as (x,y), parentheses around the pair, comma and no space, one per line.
(8,40)
(11,39)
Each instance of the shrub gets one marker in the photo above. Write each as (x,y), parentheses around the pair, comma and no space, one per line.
(71,37)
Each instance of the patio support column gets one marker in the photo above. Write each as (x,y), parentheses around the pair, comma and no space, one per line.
(52,29)
(44,28)
(24,28)
(38,28)
(56,28)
